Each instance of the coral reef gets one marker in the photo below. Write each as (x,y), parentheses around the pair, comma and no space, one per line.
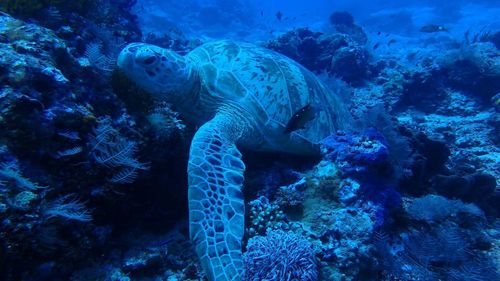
(342,18)
(92,173)
(433,138)
(343,22)
(140,257)
(36,222)
(473,68)
(444,252)
(66,145)
(434,208)
(337,54)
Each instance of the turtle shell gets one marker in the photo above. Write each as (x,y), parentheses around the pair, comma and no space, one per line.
(269,86)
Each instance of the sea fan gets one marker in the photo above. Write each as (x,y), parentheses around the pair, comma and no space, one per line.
(99,60)
(436,208)
(342,18)
(10,172)
(111,149)
(68,207)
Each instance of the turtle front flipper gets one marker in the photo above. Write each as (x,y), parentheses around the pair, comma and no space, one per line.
(216,206)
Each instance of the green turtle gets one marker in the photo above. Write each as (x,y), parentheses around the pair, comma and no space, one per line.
(242,96)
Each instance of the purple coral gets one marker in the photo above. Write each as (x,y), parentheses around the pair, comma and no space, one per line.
(364,158)
(358,155)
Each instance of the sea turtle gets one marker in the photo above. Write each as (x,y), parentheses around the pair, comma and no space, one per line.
(241,95)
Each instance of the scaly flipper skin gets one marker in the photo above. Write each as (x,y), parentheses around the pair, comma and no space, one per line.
(216,207)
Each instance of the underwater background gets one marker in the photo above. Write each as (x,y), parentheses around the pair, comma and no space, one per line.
(93,171)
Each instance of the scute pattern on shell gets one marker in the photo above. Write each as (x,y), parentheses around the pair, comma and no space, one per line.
(270,86)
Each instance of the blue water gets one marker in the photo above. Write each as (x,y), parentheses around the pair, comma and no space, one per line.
(249,140)
(253,20)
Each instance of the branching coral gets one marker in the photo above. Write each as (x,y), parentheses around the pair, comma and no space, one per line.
(280,256)
(342,18)
(265,216)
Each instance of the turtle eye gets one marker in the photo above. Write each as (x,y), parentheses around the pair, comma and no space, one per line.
(132,49)
(149,60)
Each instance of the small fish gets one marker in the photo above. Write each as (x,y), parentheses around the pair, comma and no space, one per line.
(378,33)
(412,55)
(475,39)
(279,15)
(466,36)
(68,152)
(261,13)
(69,134)
(387,35)
(299,119)
(392,41)
(431,28)
(376,45)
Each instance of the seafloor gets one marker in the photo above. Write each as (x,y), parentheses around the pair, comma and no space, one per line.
(409,192)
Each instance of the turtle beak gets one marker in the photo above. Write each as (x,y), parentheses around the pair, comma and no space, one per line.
(125,59)
(127,55)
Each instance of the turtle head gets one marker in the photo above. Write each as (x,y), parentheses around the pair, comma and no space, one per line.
(161,72)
